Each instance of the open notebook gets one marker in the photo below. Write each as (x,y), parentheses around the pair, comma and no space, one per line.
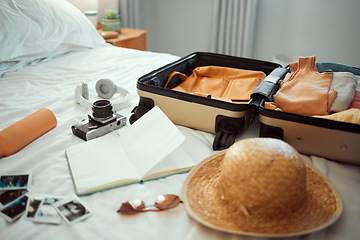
(147,150)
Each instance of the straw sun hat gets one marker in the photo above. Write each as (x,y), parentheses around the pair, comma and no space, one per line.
(260,187)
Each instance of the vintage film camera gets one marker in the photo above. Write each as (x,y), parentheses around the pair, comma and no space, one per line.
(102,121)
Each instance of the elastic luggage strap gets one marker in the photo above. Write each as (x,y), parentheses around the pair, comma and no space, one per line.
(182,76)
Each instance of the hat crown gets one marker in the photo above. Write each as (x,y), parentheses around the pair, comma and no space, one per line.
(262,178)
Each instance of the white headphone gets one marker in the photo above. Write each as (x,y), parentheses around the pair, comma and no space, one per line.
(105,88)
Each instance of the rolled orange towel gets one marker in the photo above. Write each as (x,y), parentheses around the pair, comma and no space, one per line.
(23,132)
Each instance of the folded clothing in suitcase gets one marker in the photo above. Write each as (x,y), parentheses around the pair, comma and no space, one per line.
(313,135)
(224,118)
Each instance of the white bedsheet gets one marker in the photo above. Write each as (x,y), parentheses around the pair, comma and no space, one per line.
(52,85)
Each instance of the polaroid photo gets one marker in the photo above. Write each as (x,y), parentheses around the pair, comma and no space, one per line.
(8,196)
(73,210)
(15,209)
(32,207)
(46,212)
(18,181)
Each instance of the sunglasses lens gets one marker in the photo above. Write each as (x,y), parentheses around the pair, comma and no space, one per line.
(132,207)
(167,201)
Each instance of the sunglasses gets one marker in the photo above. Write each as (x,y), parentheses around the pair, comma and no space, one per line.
(162,202)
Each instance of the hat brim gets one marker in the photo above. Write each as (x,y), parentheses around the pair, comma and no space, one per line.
(323,208)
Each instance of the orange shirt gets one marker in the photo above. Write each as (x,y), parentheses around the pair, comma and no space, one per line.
(306,91)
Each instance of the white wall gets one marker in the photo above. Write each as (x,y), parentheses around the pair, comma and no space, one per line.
(101,6)
(85,5)
(178,27)
(328,29)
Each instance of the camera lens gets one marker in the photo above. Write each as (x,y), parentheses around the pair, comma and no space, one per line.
(102,109)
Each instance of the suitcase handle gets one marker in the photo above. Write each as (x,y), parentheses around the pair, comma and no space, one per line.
(268,87)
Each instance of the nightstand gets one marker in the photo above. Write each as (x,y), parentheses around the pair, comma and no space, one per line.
(129,38)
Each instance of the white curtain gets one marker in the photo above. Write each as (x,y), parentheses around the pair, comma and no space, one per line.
(233,26)
(132,13)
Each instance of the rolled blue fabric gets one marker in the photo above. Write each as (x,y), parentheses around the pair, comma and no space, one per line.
(336,67)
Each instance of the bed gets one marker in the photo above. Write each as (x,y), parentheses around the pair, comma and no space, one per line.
(49,47)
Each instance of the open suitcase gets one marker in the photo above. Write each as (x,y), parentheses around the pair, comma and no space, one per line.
(309,135)
(225,119)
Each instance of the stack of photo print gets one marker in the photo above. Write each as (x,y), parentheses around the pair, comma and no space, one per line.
(16,200)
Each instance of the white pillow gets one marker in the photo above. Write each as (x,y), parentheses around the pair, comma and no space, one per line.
(37,27)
